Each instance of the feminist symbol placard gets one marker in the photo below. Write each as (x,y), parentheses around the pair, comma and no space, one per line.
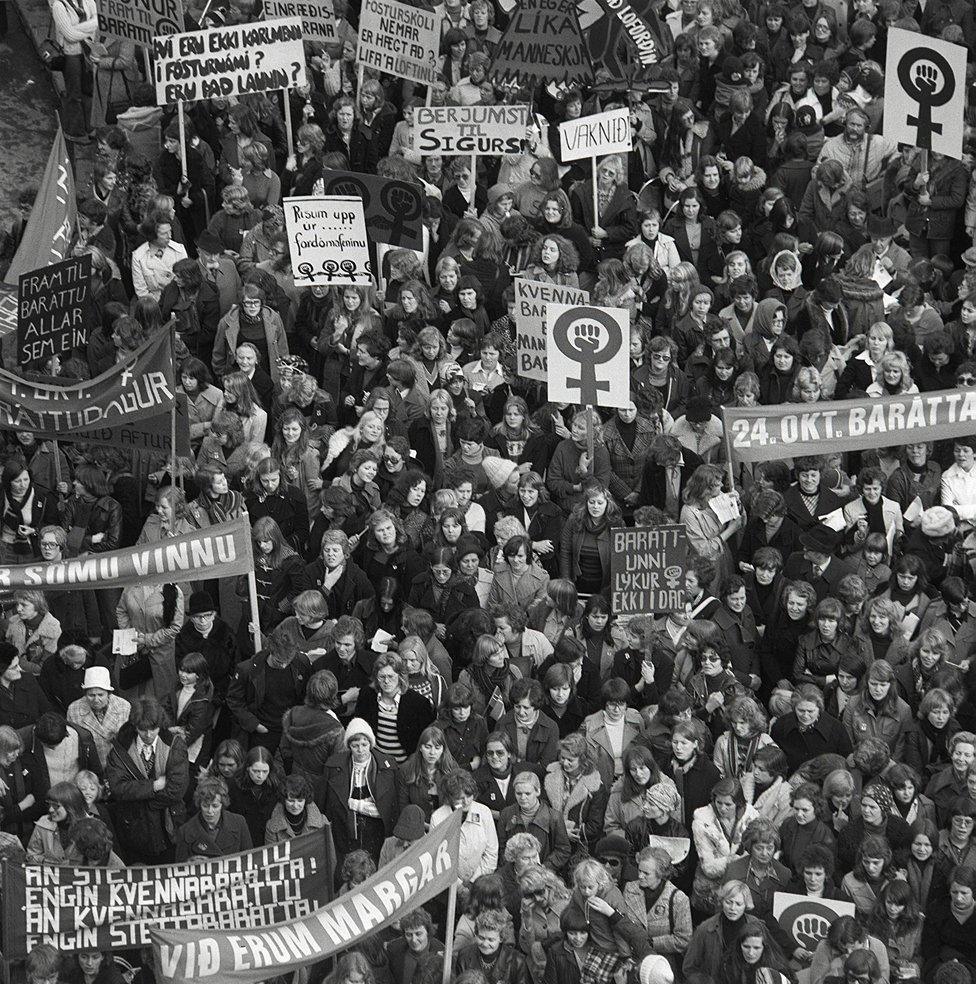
(588,361)
(925,92)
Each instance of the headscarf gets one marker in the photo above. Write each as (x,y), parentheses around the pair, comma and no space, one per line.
(881,794)
(785,280)
(765,312)
(663,797)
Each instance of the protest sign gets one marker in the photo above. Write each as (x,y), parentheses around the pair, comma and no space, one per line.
(140,386)
(399,39)
(394,209)
(229,61)
(179,558)
(317,16)
(677,848)
(112,909)
(321,229)
(139,20)
(596,135)
(456,130)
(647,569)
(51,309)
(531,300)
(624,21)
(925,92)
(796,429)
(543,44)
(805,919)
(420,873)
(589,355)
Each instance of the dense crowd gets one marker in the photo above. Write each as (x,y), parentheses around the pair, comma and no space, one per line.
(432,537)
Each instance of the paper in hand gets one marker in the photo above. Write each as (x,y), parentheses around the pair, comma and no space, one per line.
(124,641)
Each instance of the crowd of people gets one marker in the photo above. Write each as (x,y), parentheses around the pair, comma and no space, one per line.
(431,535)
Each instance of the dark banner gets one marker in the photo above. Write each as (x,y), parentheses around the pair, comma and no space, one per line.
(647,569)
(51,310)
(393,209)
(113,909)
(142,385)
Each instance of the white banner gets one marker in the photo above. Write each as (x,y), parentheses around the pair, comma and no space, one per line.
(399,39)
(455,130)
(327,240)
(596,135)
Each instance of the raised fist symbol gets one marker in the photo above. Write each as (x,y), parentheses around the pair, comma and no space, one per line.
(926,78)
(809,930)
(586,338)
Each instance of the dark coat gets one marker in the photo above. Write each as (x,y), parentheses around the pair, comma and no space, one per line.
(826,735)
(18,781)
(947,187)
(287,507)
(407,967)
(196,719)
(458,596)
(489,792)
(546,524)
(36,763)
(382,786)
(825,584)
(748,141)
(509,966)
(104,516)
(245,693)
(694,786)
(570,544)
(413,715)
(620,221)
(219,649)
(146,820)
(193,839)
(361,152)
(309,737)
(798,512)
(255,804)
(542,746)
(22,703)
(546,826)
(653,487)
(352,587)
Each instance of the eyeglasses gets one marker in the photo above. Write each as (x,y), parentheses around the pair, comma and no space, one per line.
(661,356)
(965,380)
(711,658)
(49,543)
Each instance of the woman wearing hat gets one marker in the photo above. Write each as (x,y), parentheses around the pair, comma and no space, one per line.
(878,816)
(410,827)
(101,711)
(361,793)
(255,322)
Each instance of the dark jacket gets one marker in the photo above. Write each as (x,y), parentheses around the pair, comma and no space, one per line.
(255,804)
(102,516)
(509,966)
(22,703)
(194,840)
(196,719)
(352,587)
(146,820)
(360,152)
(694,786)
(456,597)
(546,826)
(309,737)
(407,967)
(219,649)
(413,715)
(947,187)
(36,763)
(797,511)
(382,786)
(620,221)
(287,507)
(546,524)
(570,544)
(18,781)
(748,141)
(542,746)
(826,735)
(489,792)
(245,692)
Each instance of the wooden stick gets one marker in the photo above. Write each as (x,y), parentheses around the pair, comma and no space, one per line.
(182,121)
(57,463)
(252,594)
(596,200)
(474,183)
(288,124)
(589,439)
(449,932)
(147,64)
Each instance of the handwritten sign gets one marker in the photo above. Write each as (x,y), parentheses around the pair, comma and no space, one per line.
(399,39)
(139,20)
(317,16)
(328,242)
(394,209)
(51,310)
(229,61)
(596,135)
(531,298)
(455,130)
(647,569)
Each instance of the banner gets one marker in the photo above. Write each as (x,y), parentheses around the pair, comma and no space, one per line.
(805,919)
(589,355)
(229,61)
(114,908)
(50,226)
(394,209)
(51,309)
(543,44)
(531,298)
(399,39)
(420,873)
(320,229)
(317,16)
(455,130)
(797,429)
(139,20)
(626,22)
(925,92)
(647,569)
(596,135)
(180,558)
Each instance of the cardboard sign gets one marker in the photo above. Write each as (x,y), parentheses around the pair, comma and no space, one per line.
(51,310)
(589,355)
(139,20)
(455,130)
(677,848)
(394,209)
(399,39)
(647,569)
(807,920)
(531,300)
(328,242)
(596,135)
(925,92)
(229,61)
(317,16)
(543,44)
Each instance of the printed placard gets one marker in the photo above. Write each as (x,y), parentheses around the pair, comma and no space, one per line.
(531,300)
(140,20)
(394,209)
(328,242)
(596,135)
(229,61)
(399,39)
(51,310)
(647,569)
(317,16)
(455,130)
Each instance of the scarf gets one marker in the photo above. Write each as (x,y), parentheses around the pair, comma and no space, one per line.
(651,895)
(788,280)
(741,753)
(296,823)
(939,737)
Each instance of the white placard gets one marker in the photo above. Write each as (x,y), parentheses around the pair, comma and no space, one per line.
(455,130)
(532,300)
(229,61)
(925,92)
(400,40)
(596,135)
(327,240)
(317,16)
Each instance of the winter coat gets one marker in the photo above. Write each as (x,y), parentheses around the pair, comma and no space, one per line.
(668,923)
(219,649)
(45,845)
(309,737)
(352,587)
(619,219)
(381,781)
(455,597)
(546,826)
(194,839)
(571,543)
(228,332)
(278,829)
(715,850)
(196,719)
(627,463)
(585,806)
(245,692)
(35,760)
(102,516)
(618,933)
(146,820)
(595,731)
(891,726)
(414,713)
(542,746)
(947,187)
